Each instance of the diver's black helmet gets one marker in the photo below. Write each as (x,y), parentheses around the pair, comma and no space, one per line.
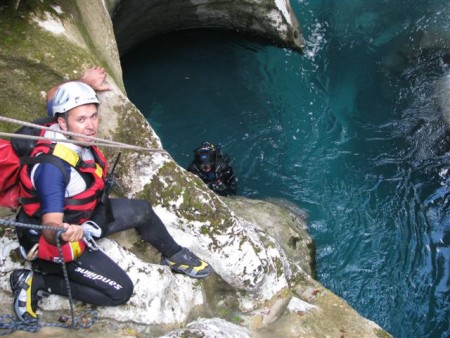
(204,155)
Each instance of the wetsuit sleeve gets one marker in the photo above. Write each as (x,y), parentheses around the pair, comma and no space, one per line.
(50,186)
(192,168)
(222,170)
(226,175)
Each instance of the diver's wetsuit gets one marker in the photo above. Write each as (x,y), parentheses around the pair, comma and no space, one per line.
(220,178)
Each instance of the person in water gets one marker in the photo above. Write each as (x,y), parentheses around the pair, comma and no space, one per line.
(214,169)
(65,190)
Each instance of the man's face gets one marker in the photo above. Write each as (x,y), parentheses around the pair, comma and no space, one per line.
(205,160)
(206,168)
(81,120)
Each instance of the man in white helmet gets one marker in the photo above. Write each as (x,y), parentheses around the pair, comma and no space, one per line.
(64,190)
(94,77)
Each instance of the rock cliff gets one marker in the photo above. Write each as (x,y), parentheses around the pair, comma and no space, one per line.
(263,284)
(137,20)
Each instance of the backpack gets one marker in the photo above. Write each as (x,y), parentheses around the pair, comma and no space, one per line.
(14,154)
(9,175)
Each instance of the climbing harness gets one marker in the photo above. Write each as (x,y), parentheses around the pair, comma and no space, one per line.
(86,319)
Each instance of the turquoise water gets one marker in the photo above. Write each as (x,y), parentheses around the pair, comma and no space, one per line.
(349,131)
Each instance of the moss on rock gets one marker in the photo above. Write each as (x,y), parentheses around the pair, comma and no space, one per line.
(33,60)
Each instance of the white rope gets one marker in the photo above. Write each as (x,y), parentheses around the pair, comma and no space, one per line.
(64,132)
(87,144)
(96,141)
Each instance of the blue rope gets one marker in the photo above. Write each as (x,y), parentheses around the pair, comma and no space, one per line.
(9,324)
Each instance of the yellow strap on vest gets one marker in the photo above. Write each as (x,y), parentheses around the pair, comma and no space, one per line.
(66,154)
(71,157)
(98,170)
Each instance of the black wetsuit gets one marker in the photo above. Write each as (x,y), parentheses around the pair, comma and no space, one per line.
(94,277)
(220,178)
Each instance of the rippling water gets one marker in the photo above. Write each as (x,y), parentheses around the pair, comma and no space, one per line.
(349,131)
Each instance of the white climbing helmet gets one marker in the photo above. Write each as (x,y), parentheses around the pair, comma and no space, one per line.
(72,94)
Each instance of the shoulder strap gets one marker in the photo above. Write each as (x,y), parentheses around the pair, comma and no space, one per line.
(66,154)
(46,158)
(24,147)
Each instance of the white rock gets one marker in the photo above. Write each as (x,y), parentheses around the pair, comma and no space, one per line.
(211,328)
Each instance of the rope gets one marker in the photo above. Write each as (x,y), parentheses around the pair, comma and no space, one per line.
(87,144)
(9,324)
(97,141)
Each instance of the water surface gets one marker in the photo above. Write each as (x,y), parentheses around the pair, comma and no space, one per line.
(350,131)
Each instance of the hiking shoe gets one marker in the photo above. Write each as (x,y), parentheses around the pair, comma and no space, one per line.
(25,303)
(188,263)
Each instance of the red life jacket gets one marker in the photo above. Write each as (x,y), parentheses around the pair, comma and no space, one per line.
(78,208)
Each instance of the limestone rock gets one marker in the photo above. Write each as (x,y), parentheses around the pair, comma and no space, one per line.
(262,282)
(271,20)
(214,328)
